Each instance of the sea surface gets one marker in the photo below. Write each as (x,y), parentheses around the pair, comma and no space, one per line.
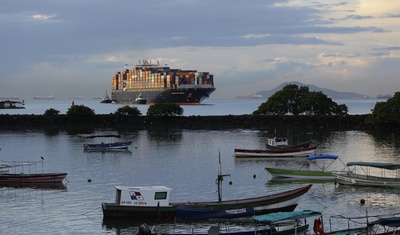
(207,107)
(185,160)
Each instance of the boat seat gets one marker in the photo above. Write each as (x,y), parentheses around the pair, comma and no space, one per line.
(214,230)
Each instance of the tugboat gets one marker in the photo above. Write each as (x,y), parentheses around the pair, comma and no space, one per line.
(106,99)
(140,100)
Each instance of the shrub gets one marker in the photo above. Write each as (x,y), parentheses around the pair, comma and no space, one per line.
(80,111)
(386,113)
(51,112)
(128,111)
(164,109)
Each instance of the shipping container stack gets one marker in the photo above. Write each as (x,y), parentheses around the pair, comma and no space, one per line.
(145,77)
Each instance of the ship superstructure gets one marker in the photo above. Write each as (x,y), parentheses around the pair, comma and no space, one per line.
(161,84)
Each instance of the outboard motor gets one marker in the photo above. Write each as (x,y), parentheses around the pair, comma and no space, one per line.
(144,229)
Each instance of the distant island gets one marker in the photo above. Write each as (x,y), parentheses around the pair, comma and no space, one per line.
(330,93)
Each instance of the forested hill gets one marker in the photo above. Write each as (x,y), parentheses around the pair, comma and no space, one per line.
(330,93)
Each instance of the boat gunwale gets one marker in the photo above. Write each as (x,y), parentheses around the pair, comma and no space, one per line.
(295,173)
(292,192)
(275,151)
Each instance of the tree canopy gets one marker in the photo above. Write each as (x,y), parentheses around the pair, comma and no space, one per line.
(164,109)
(386,112)
(51,112)
(295,100)
(128,111)
(80,111)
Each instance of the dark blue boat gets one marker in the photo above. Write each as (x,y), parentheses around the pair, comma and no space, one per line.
(106,146)
(184,212)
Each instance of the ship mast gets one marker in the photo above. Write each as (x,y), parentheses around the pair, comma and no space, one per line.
(220,178)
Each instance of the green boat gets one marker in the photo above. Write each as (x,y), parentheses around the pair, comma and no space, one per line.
(322,172)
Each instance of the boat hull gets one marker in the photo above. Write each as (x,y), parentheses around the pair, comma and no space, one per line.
(107,146)
(302,152)
(8,104)
(106,101)
(193,95)
(270,231)
(349,178)
(32,178)
(140,101)
(285,201)
(300,174)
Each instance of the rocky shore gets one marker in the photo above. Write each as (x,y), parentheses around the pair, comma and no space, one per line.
(113,121)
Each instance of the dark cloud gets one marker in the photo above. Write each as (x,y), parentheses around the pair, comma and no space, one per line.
(357,17)
(393,48)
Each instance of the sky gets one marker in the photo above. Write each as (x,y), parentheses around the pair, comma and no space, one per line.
(72,48)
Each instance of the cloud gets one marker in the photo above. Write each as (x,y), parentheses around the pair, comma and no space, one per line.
(42,17)
(371,7)
(243,44)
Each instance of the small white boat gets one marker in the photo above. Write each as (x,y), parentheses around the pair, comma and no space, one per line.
(320,164)
(374,174)
(289,152)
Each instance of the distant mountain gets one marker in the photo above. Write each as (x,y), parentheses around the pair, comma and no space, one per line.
(330,93)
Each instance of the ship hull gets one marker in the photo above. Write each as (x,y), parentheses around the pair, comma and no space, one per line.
(172,95)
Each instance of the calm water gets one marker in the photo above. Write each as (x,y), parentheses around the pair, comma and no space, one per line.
(186,161)
(208,107)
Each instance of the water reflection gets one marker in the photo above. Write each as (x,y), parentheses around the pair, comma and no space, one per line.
(44,186)
(282,181)
(169,135)
(185,160)
(108,152)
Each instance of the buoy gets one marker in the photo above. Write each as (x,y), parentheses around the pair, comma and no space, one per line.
(254,176)
(318,226)
(89,180)
(230,182)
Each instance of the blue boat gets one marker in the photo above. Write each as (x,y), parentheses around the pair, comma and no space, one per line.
(183,212)
(106,146)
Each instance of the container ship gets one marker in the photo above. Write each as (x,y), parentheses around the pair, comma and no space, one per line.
(161,84)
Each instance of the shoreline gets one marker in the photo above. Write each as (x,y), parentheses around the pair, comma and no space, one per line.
(113,121)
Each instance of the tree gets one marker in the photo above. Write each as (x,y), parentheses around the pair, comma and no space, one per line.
(51,112)
(164,109)
(386,112)
(80,111)
(299,100)
(128,111)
